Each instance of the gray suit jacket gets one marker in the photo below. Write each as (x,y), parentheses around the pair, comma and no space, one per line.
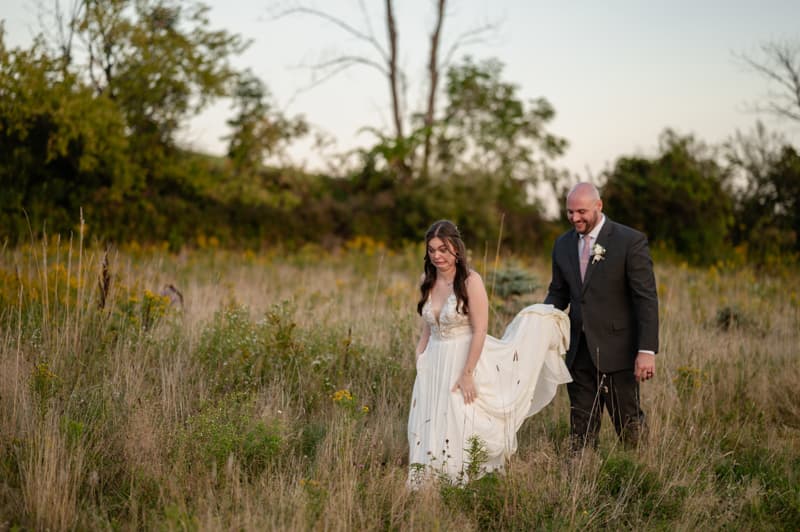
(617,304)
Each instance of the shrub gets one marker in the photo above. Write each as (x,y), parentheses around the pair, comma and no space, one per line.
(677,198)
(513,281)
(729,318)
(228,428)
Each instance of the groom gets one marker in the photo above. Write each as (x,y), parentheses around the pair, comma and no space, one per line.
(604,272)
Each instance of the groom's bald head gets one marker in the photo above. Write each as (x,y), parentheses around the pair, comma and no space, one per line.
(584,207)
(587,190)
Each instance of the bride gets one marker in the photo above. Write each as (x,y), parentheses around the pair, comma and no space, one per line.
(473,391)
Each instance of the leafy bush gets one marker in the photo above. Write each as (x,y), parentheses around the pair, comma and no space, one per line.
(513,281)
(677,199)
(242,354)
(228,428)
(731,317)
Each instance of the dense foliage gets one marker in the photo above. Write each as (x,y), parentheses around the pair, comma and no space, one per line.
(677,198)
(96,142)
(767,214)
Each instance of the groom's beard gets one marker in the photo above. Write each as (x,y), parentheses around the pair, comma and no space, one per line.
(587,224)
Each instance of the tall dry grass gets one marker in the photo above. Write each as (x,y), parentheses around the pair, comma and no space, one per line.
(230,412)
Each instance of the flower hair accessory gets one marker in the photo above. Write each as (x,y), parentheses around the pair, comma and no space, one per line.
(598,253)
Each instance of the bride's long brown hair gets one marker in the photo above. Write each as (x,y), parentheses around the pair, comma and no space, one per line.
(448,233)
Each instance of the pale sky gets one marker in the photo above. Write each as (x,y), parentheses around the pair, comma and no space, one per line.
(618,72)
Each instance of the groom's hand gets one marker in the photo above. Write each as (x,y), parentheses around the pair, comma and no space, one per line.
(645,366)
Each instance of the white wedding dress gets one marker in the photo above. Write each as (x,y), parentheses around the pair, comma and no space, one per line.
(516,376)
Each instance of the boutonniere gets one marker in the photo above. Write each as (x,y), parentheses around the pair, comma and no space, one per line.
(598,253)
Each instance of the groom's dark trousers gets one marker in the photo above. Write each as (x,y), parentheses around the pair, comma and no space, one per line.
(592,391)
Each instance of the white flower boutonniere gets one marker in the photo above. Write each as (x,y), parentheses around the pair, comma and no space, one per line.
(598,253)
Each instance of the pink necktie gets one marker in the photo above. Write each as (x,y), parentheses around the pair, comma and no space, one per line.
(584,259)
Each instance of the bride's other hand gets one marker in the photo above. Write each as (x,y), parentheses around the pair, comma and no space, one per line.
(466,384)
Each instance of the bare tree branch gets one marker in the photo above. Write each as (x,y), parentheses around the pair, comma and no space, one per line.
(387,66)
(433,83)
(99,40)
(333,68)
(369,38)
(64,23)
(779,65)
(393,78)
(405,149)
(782,110)
(66,27)
(350,60)
(471,36)
(367,20)
(770,72)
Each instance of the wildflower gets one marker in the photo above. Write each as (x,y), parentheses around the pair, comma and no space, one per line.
(341,396)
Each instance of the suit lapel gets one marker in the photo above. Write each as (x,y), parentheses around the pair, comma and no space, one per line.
(602,239)
(574,260)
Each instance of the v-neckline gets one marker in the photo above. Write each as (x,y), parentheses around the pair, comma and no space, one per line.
(436,316)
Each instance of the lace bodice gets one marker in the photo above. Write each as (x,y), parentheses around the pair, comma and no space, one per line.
(450,324)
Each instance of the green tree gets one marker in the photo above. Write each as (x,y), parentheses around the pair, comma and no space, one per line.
(678,198)
(95,126)
(766,207)
(488,143)
(486,125)
(159,61)
(60,145)
(258,130)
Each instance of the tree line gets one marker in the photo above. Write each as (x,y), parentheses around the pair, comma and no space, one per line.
(89,118)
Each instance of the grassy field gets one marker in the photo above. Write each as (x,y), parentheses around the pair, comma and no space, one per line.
(276,397)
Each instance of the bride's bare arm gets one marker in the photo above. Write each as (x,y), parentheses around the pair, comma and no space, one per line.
(479,319)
